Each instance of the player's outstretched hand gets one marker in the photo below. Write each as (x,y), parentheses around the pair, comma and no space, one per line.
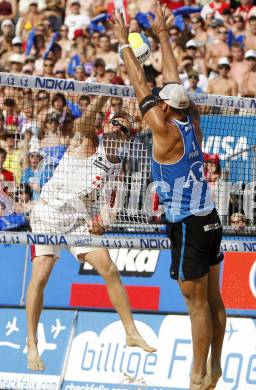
(163,18)
(120,29)
(96,226)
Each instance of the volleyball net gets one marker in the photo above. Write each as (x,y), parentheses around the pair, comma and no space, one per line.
(75,165)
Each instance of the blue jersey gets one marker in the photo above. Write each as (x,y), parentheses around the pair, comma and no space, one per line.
(181,186)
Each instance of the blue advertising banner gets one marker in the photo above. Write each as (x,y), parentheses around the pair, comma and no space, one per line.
(53,335)
(224,135)
(98,357)
(12,268)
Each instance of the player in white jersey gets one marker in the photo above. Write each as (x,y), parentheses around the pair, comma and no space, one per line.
(68,204)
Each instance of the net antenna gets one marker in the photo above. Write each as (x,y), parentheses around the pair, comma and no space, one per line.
(75,167)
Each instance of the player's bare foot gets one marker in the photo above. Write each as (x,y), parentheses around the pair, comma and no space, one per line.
(214,372)
(33,360)
(205,384)
(135,340)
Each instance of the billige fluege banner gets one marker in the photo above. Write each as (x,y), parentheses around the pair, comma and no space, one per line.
(99,358)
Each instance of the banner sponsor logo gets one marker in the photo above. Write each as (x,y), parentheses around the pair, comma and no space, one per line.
(155,243)
(226,146)
(45,239)
(95,354)
(48,83)
(130,262)
(92,88)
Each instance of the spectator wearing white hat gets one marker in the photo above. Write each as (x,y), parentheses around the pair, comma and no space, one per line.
(75,20)
(7,28)
(16,62)
(195,50)
(16,49)
(249,80)
(223,84)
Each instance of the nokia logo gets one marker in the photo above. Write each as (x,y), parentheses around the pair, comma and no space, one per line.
(38,239)
(61,85)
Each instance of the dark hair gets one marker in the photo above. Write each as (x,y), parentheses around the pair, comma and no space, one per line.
(57,96)
(252,18)
(3,152)
(99,62)
(85,98)
(9,102)
(56,47)
(151,79)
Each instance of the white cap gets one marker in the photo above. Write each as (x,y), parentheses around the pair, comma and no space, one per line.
(7,22)
(224,61)
(250,54)
(110,67)
(16,58)
(30,2)
(16,41)
(35,150)
(175,95)
(192,43)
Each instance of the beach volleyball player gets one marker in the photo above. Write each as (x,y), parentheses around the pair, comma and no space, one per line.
(193,223)
(69,204)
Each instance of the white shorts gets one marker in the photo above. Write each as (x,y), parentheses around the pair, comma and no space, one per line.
(45,220)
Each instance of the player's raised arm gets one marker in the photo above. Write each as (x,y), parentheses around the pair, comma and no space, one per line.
(160,25)
(86,123)
(150,110)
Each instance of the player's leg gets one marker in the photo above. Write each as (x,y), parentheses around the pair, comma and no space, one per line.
(219,323)
(196,296)
(101,261)
(41,270)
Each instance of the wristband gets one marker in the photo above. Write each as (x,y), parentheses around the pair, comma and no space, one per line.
(124,46)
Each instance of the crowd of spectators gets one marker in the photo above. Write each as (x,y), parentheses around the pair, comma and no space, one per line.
(214,43)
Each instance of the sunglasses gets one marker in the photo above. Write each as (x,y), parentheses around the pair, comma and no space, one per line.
(193,77)
(123,128)
(224,67)
(251,59)
(223,32)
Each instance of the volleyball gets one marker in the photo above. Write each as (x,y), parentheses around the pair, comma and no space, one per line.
(140,45)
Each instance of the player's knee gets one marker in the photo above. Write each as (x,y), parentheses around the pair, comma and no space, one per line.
(110,272)
(41,272)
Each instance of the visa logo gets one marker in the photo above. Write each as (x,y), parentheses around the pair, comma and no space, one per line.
(226,146)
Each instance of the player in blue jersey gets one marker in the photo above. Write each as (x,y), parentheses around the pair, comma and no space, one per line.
(194,226)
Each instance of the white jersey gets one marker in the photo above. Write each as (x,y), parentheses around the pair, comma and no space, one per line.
(74,193)
(76,177)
